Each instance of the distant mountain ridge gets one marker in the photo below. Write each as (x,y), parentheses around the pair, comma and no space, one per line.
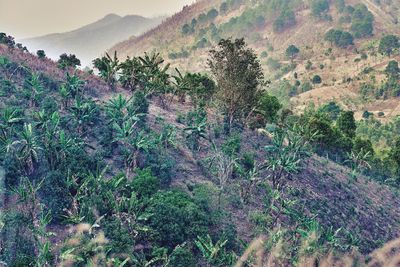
(90,41)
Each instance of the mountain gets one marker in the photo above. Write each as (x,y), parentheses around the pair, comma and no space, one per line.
(92,40)
(101,211)
(269,27)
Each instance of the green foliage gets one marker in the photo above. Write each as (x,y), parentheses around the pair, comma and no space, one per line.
(389,44)
(212,14)
(340,5)
(17,246)
(316,79)
(363,146)
(199,87)
(268,107)
(108,67)
(319,7)
(213,253)
(181,257)
(362,21)
(285,154)
(145,184)
(340,38)
(292,51)
(347,124)
(223,8)
(286,19)
(176,218)
(392,69)
(68,61)
(237,94)
(41,54)
(187,29)
(55,194)
(331,109)
(273,64)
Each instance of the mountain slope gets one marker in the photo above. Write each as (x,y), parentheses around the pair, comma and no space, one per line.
(323,189)
(92,40)
(186,38)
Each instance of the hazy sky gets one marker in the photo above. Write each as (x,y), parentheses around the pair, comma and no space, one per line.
(27,18)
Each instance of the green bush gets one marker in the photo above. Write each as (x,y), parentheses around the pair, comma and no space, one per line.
(362,21)
(17,241)
(316,79)
(181,257)
(55,194)
(176,218)
(118,235)
(319,7)
(145,184)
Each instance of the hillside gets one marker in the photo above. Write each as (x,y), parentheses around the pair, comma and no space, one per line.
(90,41)
(152,177)
(186,38)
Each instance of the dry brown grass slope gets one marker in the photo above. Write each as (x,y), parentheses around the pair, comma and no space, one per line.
(307,34)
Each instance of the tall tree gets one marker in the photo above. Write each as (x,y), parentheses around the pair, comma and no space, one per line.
(239,76)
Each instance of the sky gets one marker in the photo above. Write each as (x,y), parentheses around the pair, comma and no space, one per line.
(31,18)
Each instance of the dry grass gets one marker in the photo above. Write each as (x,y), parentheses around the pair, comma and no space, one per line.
(386,256)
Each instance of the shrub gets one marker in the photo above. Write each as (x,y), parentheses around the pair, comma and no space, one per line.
(268,107)
(55,194)
(319,7)
(364,146)
(316,79)
(273,64)
(17,245)
(362,21)
(340,38)
(212,14)
(145,184)
(181,257)
(286,19)
(389,44)
(119,237)
(41,54)
(176,218)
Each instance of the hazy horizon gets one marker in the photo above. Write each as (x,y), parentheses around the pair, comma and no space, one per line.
(25,19)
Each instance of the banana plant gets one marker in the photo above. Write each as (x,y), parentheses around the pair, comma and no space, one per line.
(286,155)
(74,85)
(108,67)
(35,89)
(28,147)
(213,253)
(116,109)
(82,113)
(9,118)
(196,132)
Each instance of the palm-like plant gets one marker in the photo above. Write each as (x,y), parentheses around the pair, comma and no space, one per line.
(28,148)
(35,89)
(182,85)
(9,118)
(135,141)
(74,85)
(108,67)
(213,253)
(82,113)
(116,108)
(196,132)
(130,76)
(154,78)
(286,155)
